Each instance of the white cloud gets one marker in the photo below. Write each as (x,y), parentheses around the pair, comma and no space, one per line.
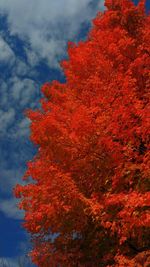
(3,94)
(48,25)
(23,128)
(32,57)
(6,53)
(6,120)
(8,262)
(23,90)
(16,94)
(10,209)
(9,177)
(20,68)
(21,260)
(16,91)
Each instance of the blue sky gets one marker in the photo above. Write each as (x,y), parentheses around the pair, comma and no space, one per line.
(33,39)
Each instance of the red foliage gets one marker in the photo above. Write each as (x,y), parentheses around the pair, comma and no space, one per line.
(89,203)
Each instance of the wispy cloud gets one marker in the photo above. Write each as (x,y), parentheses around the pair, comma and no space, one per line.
(6,55)
(10,209)
(21,261)
(8,262)
(18,91)
(48,25)
(6,119)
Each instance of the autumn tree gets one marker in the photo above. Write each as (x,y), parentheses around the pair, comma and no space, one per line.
(88,203)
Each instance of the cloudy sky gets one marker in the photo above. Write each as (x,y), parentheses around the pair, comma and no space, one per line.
(33,40)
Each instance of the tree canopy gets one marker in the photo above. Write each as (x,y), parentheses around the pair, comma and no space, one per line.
(87,204)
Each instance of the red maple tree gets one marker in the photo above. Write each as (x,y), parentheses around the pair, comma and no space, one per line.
(88,204)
